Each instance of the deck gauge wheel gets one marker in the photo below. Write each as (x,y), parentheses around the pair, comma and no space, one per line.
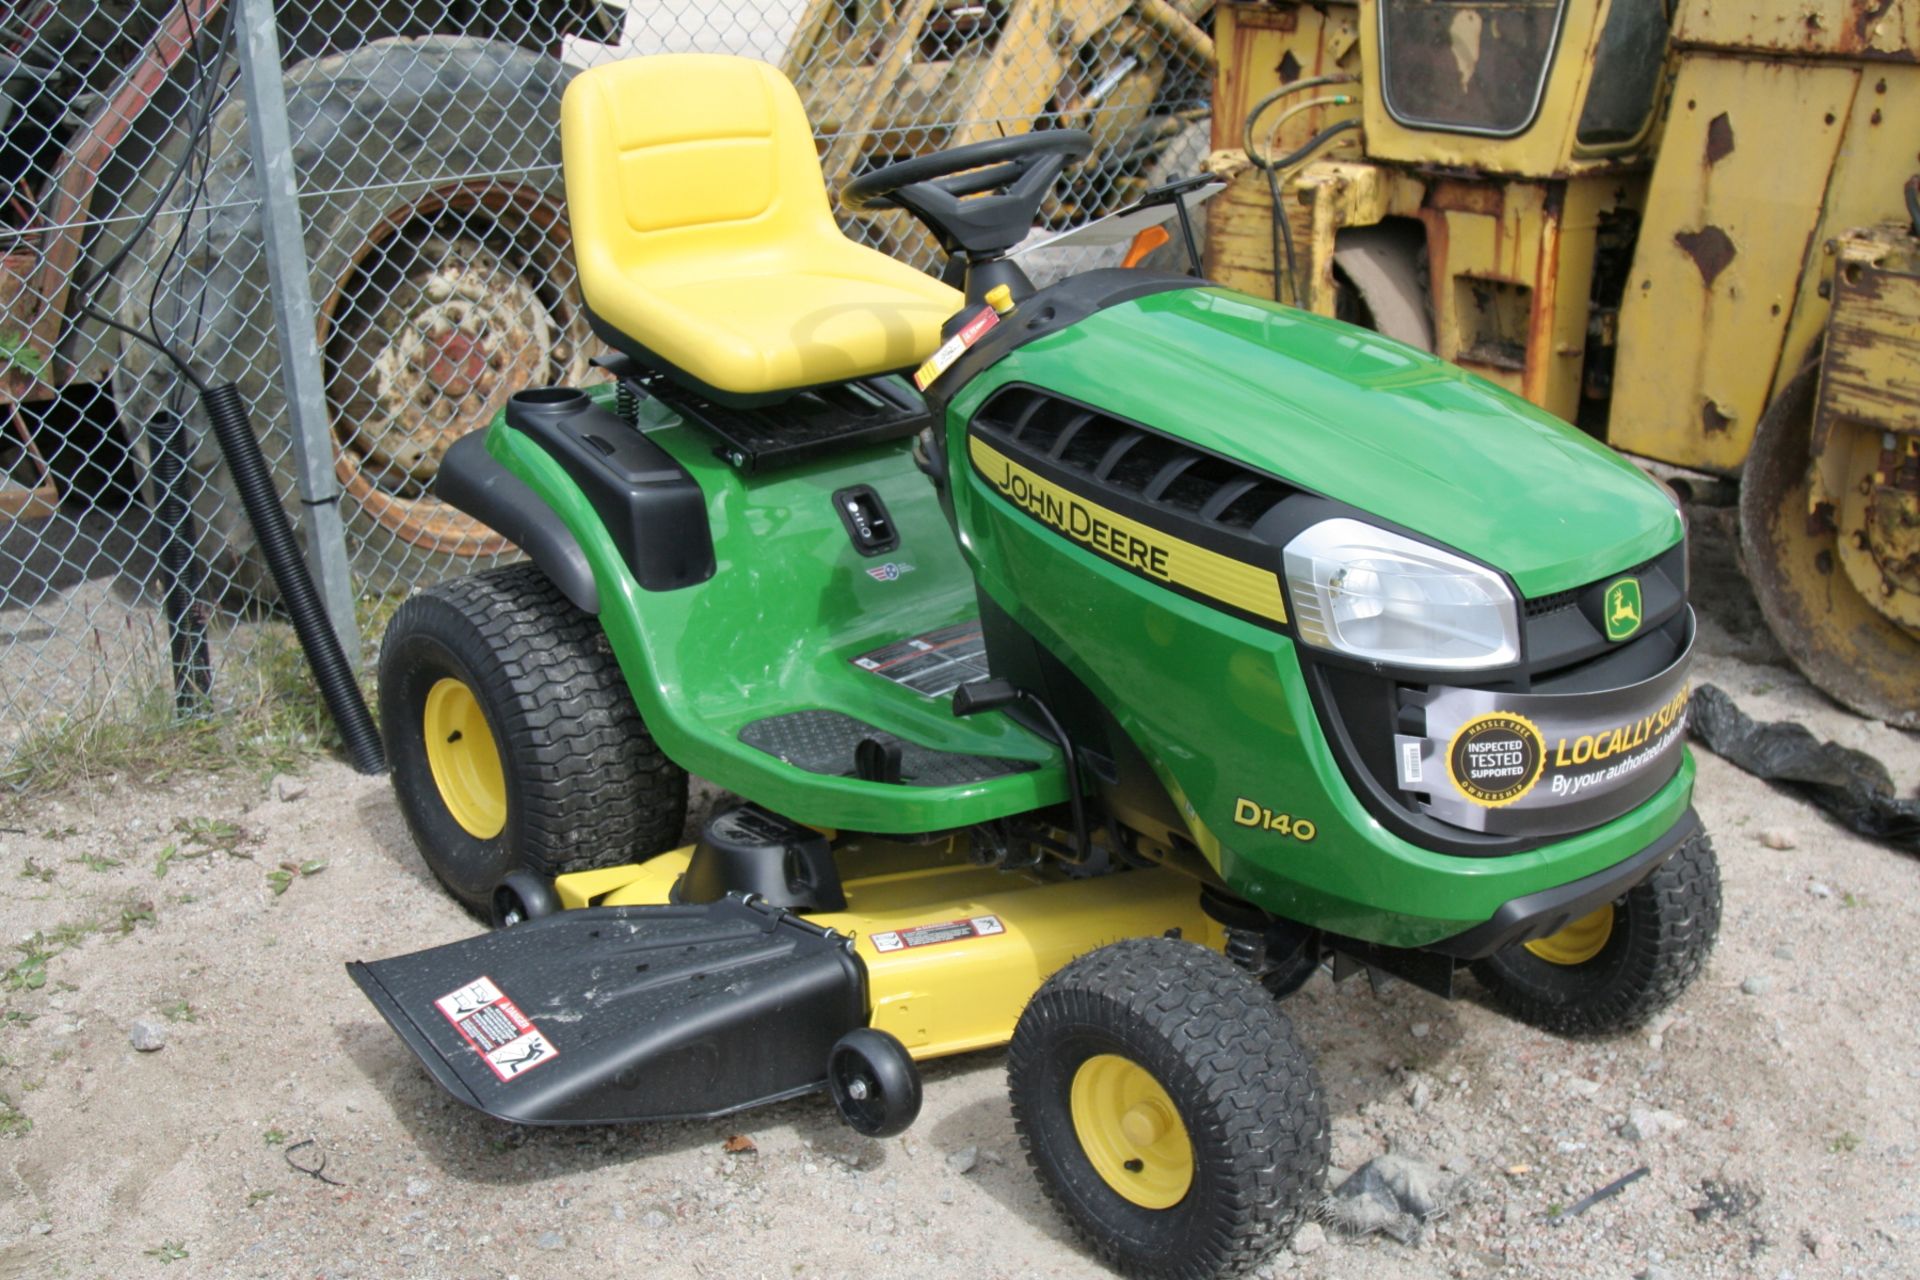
(874,1084)
(521,897)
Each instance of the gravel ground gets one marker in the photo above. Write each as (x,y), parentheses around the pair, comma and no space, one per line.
(1775,1107)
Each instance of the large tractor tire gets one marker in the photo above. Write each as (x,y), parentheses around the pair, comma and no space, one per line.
(1843,642)
(439,262)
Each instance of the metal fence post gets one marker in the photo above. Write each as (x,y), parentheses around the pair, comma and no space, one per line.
(271,150)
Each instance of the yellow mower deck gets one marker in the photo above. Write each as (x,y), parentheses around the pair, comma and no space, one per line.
(952,951)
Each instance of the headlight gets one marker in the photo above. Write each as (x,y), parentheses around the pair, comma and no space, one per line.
(1372,594)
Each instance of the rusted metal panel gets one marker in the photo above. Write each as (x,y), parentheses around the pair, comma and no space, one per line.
(1511,265)
(1877,150)
(1870,370)
(1876,29)
(1262,48)
(1725,238)
(1866,431)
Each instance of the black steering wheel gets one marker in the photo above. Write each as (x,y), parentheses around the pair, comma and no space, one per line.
(980,198)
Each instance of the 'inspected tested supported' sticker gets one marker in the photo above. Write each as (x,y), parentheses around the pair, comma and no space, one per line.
(503,1036)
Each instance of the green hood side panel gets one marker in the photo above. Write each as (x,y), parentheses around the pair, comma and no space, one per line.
(1223,708)
(1362,419)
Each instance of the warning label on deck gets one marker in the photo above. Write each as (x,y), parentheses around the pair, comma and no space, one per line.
(934,664)
(505,1038)
(927,935)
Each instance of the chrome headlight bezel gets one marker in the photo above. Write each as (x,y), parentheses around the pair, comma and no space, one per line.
(1379,596)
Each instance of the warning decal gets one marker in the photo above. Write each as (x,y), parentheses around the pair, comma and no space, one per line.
(927,935)
(933,664)
(503,1036)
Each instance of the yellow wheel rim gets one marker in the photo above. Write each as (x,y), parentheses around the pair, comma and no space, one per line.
(1578,942)
(1131,1131)
(464,759)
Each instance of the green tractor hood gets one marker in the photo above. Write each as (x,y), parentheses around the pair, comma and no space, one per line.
(1364,420)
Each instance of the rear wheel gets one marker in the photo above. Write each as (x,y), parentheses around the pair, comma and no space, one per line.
(514,742)
(1167,1109)
(1614,968)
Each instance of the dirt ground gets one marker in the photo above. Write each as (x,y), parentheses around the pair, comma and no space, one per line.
(1788,1073)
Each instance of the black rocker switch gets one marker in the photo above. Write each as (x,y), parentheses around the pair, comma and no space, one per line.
(867,521)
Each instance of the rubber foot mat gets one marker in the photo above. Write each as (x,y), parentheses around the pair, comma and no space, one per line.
(824,742)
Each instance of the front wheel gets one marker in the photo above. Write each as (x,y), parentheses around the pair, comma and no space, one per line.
(1616,967)
(514,742)
(1167,1109)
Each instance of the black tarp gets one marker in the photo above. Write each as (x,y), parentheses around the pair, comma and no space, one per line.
(1851,785)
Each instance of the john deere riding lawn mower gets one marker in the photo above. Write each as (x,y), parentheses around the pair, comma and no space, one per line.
(1092,664)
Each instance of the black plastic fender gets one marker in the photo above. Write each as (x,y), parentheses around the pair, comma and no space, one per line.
(473,481)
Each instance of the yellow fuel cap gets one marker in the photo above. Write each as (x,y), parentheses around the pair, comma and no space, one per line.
(1000,298)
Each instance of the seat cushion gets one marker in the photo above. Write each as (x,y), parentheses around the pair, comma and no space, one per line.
(702,231)
(788,324)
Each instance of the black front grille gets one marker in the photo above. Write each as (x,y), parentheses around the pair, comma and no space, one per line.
(1566,631)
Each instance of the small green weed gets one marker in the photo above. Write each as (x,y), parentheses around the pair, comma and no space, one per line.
(34,871)
(168,1251)
(282,879)
(14,1123)
(1844,1141)
(179,1011)
(98,862)
(213,835)
(30,974)
(275,1137)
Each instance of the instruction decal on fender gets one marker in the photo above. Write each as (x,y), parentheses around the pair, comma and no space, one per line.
(955,347)
(505,1038)
(927,935)
(1152,553)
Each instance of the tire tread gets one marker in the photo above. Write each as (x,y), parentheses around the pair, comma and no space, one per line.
(1264,1107)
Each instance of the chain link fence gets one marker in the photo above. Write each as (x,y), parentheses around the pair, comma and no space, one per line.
(175,169)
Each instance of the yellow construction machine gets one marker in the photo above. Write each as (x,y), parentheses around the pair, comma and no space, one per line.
(888,79)
(1694,231)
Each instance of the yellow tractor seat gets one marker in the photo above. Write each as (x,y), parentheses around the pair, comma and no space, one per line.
(704,241)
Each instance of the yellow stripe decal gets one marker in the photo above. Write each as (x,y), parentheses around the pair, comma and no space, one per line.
(1140,547)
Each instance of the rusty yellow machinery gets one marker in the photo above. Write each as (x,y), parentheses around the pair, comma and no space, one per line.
(886,79)
(1691,231)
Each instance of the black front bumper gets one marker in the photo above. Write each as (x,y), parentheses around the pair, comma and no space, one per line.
(1536,915)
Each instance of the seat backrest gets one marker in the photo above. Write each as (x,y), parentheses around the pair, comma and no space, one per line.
(673,160)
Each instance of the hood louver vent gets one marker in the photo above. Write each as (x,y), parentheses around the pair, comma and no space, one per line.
(1123,458)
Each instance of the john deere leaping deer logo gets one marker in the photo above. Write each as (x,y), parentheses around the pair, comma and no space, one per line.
(1622,608)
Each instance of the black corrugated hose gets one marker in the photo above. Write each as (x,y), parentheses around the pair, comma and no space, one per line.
(227,415)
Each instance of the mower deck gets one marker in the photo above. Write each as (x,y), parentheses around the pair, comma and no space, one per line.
(629,1008)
